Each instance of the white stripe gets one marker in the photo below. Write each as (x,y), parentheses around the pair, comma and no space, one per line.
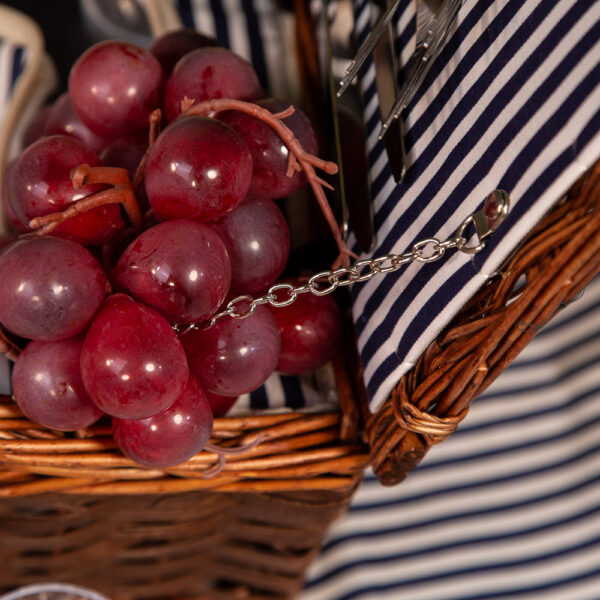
(203,17)
(6,54)
(237,28)
(274,48)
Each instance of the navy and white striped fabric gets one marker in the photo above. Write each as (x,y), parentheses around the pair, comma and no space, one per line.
(509,506)
(512,102)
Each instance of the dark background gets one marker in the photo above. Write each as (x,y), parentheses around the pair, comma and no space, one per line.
(60,21)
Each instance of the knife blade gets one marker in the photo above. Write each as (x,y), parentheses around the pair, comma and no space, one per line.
(386,80)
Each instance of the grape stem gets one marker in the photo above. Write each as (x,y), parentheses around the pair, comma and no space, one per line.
(223,452)
(155,119)
(298,158)
(8,348)
(121,192)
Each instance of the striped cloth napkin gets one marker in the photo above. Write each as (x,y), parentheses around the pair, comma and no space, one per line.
(510,103)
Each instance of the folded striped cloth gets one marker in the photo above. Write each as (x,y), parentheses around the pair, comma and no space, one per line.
(510,103)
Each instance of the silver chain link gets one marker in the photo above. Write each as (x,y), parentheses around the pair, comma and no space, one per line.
(326,282)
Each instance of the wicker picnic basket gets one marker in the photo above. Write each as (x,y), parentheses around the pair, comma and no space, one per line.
(73,508)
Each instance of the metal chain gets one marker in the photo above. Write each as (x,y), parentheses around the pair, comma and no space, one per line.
(485,221)
(326,282)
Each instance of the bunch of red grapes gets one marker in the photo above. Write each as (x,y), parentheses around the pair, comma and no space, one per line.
(104,299)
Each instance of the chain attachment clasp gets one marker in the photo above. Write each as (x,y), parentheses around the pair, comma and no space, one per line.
(485,221)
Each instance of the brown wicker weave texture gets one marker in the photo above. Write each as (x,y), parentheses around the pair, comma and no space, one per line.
(547,272)
(76,510)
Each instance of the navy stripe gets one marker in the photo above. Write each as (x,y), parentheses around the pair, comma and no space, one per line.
(500,565)
(455,517)
(292,391)
(483,122)
(184,8)
(563,351)
(551,584)
(256,47)
(259,399)
(221,30)
(18,64)
(473,540)
(556,325)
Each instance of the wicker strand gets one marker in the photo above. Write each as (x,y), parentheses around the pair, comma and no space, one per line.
(434,429)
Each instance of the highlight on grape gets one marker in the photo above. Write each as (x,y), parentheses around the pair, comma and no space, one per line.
(146,199)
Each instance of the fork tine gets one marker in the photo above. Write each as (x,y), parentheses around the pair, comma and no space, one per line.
(367,47)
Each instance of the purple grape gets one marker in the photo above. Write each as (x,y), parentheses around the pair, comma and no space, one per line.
(235,356)
(132,364)
(269,153)
(114,86)
(63,120)
(41,184)
(171,436)
(124,153)
(197,168)
(311,332)
(172,46)
(7,191)
(35,129)
(220,405)
(257,239)
(180,268)
(47,385)
(209,73)
(51,288)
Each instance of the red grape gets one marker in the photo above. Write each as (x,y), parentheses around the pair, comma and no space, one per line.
(114,86)
(63,120)
(257,239)
(51,288)
(172,46)
(209,73)
(35,129)
(132,363)
(235,356)
(48,388)
(269,153)
(41,184)
(220,405)
(7,191)
(311,333)
(197,168)
(171,436)
(180,268)
(124,153)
